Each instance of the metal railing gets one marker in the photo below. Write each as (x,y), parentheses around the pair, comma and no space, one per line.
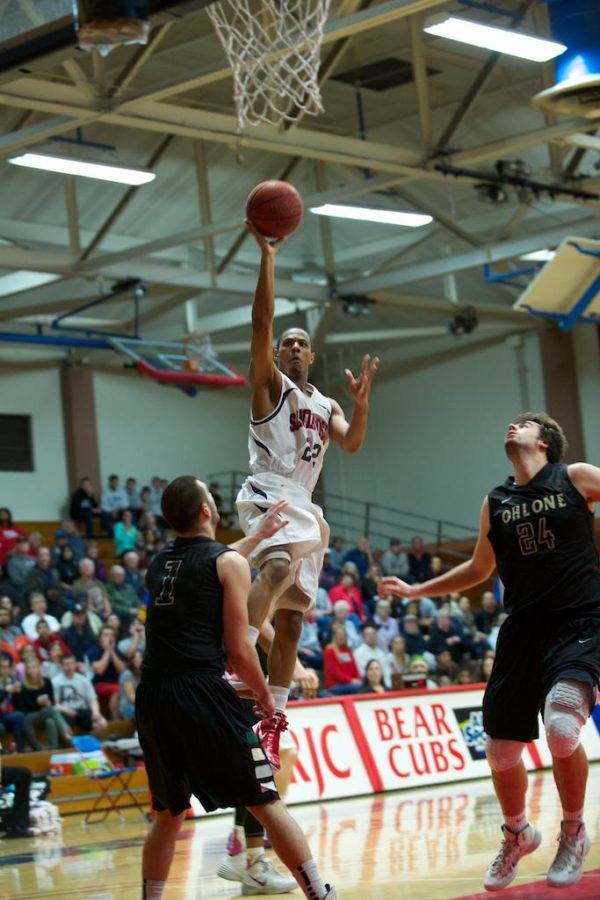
(351,518)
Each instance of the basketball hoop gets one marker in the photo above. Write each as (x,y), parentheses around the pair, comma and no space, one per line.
(274,53)
(104,25)
(197,346)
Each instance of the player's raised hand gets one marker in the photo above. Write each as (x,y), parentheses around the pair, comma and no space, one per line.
(389,584)
(360,386)
(270,246)
(272,521)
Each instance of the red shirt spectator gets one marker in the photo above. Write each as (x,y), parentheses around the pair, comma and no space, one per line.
(339,665)
(349,591)
(45,639)
(9,532)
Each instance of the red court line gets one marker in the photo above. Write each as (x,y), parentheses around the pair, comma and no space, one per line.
(587,889)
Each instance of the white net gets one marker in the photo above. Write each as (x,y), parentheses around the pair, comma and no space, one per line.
(273,48)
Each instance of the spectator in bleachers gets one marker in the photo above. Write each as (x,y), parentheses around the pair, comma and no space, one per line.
(156,492)
(36,700)
(39,610)
(349,591)
(11,719)
(487,616)
(26,653)
(36,540)
(342,616)
(44,640)
(93,553)
(79,632)
(128,682)
(475,639)
(90,589)
(387,627)
(465,675)
(370,649)
(445,667)
(43,579)
(447,635)
(329,576)
(361,556)
(492,637)
(397,658)
(67,568)
(53,665)
(336,551)
(416,642)
(107,664)
(340,671)
(125,534)
(76,699)
(123,599)
(368,587)
(115,622)
(323,605)
(113,501)
(135,641)
(9,534)
(486,666)
(133,576)
(309,646)
(11,636)
(419,560)
(419,666)
(68,535)
(147,546)
(394,561)
(372,682)
(84,508)
(20,562)
(134,499)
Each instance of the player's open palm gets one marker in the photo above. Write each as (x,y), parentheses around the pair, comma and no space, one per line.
(273,521)
(360,386)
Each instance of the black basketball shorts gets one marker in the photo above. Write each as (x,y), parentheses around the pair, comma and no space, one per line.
(196,739)
(531,656)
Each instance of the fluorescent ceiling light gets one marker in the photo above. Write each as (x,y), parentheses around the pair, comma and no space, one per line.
(362,214)
(82,322)
(23,281)
(502,40)
(69,166)
(539,255)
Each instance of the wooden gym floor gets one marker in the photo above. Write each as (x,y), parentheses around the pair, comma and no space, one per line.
(427,844)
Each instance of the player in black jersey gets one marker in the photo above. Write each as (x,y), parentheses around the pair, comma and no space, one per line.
(538,530)
(191,723)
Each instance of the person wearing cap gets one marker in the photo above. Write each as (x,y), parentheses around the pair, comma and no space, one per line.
(446,635)
(394,561)
(387,627)
(416,643)
(418,666)
(78,634)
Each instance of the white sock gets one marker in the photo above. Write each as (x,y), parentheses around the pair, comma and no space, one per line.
(516,823)
(280,696)
(253,634)
(254,853)
(311,884)
(153,890)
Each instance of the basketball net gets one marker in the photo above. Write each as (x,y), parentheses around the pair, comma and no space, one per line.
(197,347)
(274,52)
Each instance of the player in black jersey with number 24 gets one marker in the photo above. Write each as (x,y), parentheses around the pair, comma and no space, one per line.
(538,530)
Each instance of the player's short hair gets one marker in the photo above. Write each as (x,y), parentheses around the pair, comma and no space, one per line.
(181,501)
(292,328)
(550,433)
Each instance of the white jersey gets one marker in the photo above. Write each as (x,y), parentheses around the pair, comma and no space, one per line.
(292,440)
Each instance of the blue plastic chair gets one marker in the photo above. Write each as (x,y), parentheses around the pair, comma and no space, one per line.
(113,784)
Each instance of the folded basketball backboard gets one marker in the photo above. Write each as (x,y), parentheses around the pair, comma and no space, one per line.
(567,289)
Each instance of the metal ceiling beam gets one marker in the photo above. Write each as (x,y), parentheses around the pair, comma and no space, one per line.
(419,68)
(242,315)
(471,259)
(129,72)
(72,214)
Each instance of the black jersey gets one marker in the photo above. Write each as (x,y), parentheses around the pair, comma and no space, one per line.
(184,625)
(542,533)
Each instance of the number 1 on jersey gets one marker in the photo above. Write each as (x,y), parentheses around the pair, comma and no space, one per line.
(167,589)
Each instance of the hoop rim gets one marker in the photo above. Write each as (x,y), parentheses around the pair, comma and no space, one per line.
(190,378)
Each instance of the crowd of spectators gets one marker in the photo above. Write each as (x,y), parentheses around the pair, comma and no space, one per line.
(72,625)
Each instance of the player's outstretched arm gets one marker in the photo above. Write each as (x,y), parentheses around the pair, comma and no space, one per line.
(586,479)
(350,435)
(234,574)
(466,575)
(268,525)
(263,370)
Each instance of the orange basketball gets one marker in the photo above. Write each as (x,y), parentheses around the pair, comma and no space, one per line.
(191,365)
(275,208)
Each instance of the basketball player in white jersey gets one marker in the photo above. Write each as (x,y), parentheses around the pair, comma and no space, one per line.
(291,425)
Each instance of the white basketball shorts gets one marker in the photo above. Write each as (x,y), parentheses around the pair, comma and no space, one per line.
(306,536)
